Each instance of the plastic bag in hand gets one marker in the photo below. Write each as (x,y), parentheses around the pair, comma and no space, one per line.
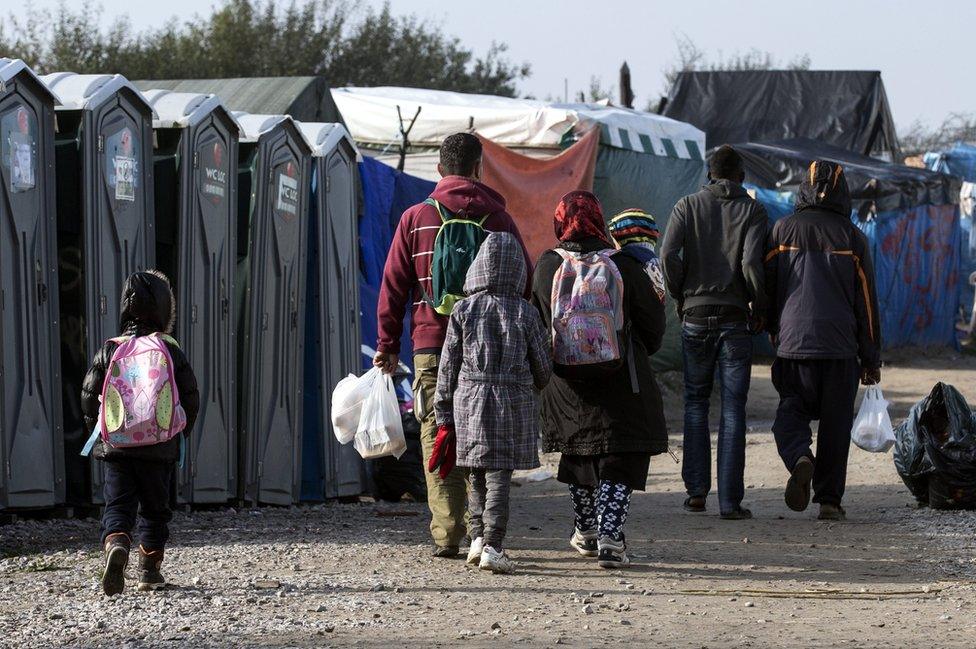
(380,431)
(347,403)
(872,428)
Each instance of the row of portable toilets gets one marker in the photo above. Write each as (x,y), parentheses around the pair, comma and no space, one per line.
(253,217)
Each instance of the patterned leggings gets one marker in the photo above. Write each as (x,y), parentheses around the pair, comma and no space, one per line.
(604,508)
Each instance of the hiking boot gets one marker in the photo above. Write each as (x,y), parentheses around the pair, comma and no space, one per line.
(149,563)
(613,554)
(830,512)
(797,495)
(445,551)
(694,504)
(474,552)
(737,514)
(585,542)
(496,561)
(116,559)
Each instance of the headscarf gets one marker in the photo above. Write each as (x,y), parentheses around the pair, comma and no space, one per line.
(826,188)
(579,216)
(634,225)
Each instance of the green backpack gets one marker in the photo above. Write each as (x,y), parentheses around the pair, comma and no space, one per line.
(455,247)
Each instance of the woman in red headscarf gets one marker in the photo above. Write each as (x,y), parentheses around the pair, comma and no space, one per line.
(602,409)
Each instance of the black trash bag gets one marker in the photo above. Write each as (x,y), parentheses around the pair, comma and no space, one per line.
(390,479)
(944,427)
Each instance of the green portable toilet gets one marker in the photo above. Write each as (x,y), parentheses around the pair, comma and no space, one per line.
(195,173)
(31,446)
(332,345)
(274,167)
(103,157)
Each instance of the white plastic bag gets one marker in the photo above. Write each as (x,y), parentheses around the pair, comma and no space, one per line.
(872,428)
(347,403)
(380,431)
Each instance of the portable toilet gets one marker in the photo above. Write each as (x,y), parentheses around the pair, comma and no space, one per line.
(31,445)
(195,174)
(103,157)
(332,345)
(273,176)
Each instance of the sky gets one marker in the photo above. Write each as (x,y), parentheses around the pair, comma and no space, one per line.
(921,48)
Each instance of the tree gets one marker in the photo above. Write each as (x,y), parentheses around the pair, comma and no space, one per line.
(247,38)
(920,139)
(691,58)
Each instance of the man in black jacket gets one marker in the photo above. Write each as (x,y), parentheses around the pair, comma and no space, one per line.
(712,257)
(824,321)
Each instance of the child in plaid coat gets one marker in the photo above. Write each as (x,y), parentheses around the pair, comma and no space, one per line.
(496,354)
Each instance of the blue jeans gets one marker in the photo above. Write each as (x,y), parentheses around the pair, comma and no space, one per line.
(728,348)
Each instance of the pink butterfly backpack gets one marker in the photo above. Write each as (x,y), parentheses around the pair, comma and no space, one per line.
(140,400)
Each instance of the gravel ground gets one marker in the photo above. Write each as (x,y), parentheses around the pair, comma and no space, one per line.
(360,574)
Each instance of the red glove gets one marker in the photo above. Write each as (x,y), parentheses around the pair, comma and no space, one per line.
(444,456)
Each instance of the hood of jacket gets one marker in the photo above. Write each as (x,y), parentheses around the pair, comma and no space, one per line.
(825,187)
(726,189)
(498,268)
(147,303)
(466,197)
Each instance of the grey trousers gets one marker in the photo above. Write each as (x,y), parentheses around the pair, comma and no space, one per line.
(488,505)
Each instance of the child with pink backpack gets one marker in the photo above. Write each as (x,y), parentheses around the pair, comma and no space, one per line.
(139,399)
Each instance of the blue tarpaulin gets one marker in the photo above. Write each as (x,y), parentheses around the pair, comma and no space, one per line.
(916,266)
(387,193)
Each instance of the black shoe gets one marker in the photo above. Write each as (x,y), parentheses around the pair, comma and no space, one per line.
(737,514)
(695,504)
(116,559)
(445,551)
(797,495)
(830,512)
(150,578)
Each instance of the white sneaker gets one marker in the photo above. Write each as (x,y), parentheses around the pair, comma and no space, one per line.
(497,562)
(585,542)
(613,554)
(474,552)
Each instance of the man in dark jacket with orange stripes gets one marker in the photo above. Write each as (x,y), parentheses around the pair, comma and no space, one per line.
(823,319)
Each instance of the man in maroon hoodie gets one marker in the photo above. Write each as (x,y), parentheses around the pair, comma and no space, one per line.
(405,279)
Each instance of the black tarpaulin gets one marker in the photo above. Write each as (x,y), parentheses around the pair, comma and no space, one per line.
(874,184)
(848,109)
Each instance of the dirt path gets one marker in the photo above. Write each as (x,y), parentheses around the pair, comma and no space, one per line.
(340,575)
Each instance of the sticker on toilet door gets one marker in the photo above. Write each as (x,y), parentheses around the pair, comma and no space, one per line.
(287,203)
(123,165)
(19,150)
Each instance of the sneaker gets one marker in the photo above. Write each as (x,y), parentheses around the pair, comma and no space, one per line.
(830,512)
(474,552)
(613,554)
(585,542)
(116,559)
(445,551)
(496,561)
(797,495)
(150,578)
(737,514)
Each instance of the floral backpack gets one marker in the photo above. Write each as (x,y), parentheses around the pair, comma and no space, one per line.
(587,315)
(140,400)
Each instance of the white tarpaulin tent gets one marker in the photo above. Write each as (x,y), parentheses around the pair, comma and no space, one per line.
(372,118)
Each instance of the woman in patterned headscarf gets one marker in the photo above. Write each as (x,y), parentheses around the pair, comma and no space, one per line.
(606,427)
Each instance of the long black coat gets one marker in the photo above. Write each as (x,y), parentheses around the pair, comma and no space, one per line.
(147,307)
(606,416)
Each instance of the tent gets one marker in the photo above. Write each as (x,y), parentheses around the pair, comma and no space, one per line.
(960,161)
(910,217)
(643,160)
(848,109)
(305,99)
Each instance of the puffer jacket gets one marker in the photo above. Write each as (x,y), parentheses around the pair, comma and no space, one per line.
(147,307)
(606,416)
(820,277)
(495,353)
